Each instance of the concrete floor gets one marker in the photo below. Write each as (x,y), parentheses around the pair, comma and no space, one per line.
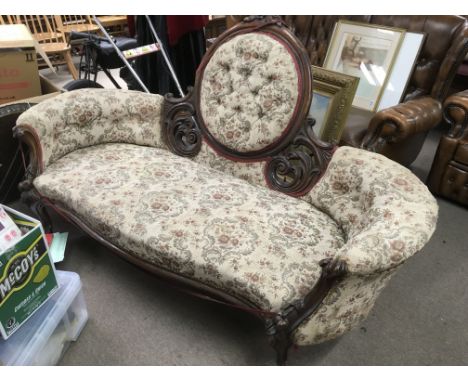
(420,318)
(61,76)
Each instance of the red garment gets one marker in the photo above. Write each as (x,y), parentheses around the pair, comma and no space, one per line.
(177,26)
(131,25)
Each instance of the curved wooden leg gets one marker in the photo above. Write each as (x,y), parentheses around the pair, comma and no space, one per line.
(280,339)
(34,202)
(41,210)
(281,349)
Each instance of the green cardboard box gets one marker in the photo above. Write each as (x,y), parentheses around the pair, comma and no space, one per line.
(27,274)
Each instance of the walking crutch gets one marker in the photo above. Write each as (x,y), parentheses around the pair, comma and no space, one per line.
(121,55)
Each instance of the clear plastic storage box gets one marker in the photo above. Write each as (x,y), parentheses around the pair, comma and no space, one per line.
(45,337)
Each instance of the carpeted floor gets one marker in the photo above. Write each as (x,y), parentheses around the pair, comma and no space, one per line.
(420,318)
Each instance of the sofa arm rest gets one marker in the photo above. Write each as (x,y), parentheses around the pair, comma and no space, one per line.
(385,212)
(456,114)
(87,117)
(399,122)
(379,247)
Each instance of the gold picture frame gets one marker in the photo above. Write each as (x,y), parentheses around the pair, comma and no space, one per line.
(331,102)
(367,51)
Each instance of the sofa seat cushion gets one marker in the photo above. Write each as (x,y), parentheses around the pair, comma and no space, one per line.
(255,243)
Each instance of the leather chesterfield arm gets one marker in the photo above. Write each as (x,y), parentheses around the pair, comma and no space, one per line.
(402,121)
(456,114)
(449,173)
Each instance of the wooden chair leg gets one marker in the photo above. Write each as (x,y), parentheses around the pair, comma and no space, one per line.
(71,65)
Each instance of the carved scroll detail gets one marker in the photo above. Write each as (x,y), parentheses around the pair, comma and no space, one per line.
(265,20)
(180,129)
(298,168)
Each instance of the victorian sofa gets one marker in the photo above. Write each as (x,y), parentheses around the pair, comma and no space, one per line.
(227,191)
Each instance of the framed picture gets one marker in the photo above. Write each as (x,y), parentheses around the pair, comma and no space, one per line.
(402,69)
(366,51)
(331,102)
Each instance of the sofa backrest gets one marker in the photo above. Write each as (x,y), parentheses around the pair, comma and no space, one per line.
(445,46)
(250,93)
(253,90)
(87,117)
(251,100)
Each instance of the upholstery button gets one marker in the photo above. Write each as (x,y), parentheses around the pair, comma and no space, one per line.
(451,179)
(272,77)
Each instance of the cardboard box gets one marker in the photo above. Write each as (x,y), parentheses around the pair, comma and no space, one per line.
(9,232)
(19,74)
(48,90)
(27,274)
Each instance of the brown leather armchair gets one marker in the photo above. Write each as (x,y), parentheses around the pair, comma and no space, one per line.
(449,173)
(398,132)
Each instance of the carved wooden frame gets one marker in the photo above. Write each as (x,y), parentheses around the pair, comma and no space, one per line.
(184,137)
(341,88)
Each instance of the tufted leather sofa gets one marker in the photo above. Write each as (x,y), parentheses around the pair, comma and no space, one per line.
(449,173)
(398,132)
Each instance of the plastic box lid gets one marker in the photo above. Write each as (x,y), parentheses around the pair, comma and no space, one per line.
(28,341)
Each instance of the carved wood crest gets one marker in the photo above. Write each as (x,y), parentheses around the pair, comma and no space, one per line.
(180,129)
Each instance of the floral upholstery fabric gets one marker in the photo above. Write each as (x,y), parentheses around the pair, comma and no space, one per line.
(249,91)
(386,214)
(88,117)
(252,172)
(385,211)
(345,307)
(252,242)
